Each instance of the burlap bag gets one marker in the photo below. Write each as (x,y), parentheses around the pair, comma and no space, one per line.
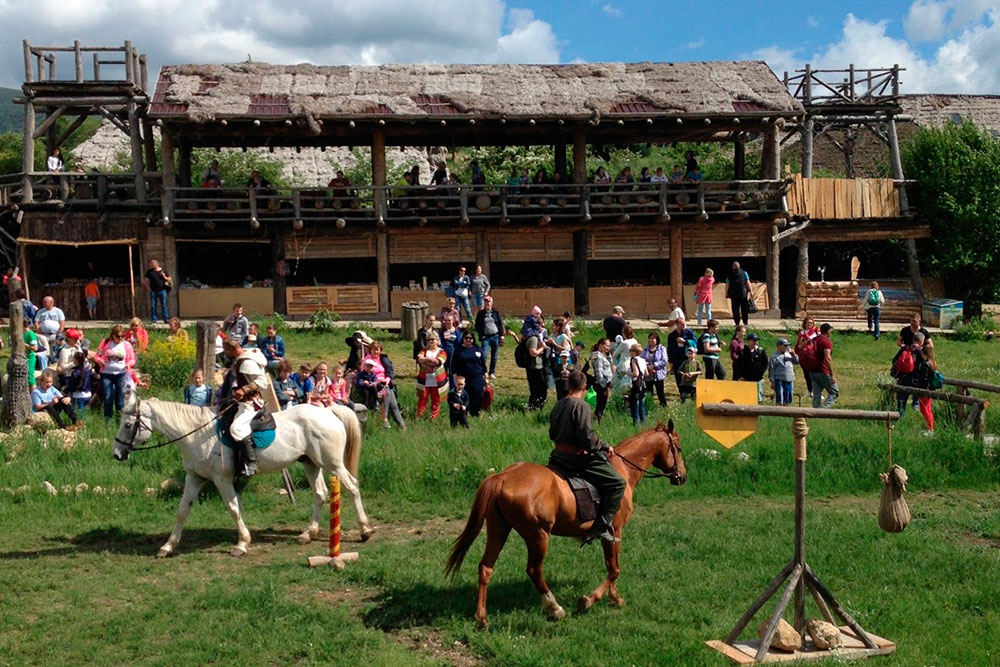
(893,514)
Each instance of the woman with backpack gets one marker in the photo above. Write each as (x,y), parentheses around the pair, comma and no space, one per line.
(873,302)
(923,377)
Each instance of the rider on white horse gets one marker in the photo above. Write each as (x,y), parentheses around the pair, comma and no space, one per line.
(251,380)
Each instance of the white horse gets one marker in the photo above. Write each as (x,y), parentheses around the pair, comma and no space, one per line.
(324,440)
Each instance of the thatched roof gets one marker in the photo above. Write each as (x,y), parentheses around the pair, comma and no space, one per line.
(208,92)
(940,110)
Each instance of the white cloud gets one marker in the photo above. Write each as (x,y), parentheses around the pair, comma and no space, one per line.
(613,11)
(277,31)
(932,20)
(968,62)
(696,44)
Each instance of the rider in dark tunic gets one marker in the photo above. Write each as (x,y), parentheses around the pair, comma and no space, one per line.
(579,451)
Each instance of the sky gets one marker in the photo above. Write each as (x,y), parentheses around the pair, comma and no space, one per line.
(946,46)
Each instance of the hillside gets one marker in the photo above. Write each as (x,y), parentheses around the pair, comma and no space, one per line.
(11,116)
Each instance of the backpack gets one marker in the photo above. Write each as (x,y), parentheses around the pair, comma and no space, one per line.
(808,357)
(521,355)
(936,380)
(873,297)
(904,363)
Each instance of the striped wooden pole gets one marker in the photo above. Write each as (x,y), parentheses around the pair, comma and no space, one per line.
(334,516)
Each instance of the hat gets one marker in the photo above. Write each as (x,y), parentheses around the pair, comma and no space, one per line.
(752,336)
(782,341)
(363,337)
(690,345)
(252,338)
(369,362)
(74,333)
(617,309)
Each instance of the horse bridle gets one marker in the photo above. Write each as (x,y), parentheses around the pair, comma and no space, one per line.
(673,474)
(130,445)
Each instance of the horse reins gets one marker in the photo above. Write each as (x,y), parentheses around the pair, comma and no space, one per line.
(138,424)
(647,473)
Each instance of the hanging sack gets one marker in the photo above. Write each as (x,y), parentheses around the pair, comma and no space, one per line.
(893,513)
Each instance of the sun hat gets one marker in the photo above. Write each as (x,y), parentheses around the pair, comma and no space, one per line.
(363,337)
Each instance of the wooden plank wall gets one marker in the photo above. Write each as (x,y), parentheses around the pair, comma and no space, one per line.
(432,246)
(342,299)
(299,246)
(629,244)
(552,246)
(843,198)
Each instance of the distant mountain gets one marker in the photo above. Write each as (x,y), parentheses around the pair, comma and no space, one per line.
(11,115)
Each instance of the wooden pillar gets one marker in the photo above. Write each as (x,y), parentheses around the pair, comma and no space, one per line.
(581,277)
(278,279)
(136,146)
(184,168)
(801,276)
(677,266)
(904,207)
(168,170)
(379,173)
(381,234)
(149,144)
(205,332)
(580,156)
(739,160)
(770,163)
(131,278)
(807,148)
(28,157)
(560,159)
(772,265)
(382,268)
(17,401)
(482,252)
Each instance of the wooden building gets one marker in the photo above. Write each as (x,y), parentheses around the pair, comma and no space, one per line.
(365,241)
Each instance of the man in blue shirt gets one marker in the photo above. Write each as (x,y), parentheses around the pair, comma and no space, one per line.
(50,320)
(677,344)
(46,397)
(460,286)
(273,347)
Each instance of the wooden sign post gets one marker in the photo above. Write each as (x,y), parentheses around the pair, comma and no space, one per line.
(855,641)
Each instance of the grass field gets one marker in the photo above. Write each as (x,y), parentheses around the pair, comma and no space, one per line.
(78,582)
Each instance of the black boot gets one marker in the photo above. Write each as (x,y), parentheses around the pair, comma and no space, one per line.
(602,528)
(249,456)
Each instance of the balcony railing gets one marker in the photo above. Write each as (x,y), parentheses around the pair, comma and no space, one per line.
(89,188)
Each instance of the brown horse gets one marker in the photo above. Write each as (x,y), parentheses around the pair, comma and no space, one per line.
(536,502)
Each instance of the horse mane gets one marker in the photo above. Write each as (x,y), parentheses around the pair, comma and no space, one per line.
(173,412)
(634,441)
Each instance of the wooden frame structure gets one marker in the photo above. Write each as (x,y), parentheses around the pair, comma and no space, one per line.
(797,573)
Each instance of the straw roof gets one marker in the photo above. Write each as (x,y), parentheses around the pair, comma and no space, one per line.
(207,92)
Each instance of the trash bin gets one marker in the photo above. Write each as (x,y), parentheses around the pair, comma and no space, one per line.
(414,314)
(944,313)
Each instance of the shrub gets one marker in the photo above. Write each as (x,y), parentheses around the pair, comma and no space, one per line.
(323,321)
(168,363)
(275,320)
(977,328)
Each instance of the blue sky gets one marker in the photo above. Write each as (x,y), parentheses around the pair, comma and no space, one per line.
(946,45)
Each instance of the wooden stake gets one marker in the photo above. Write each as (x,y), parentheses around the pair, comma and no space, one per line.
(131,278)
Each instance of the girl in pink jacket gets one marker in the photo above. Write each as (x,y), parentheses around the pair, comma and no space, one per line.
(703,294)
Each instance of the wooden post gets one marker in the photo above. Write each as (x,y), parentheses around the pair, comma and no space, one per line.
(278,280)
(560,159)
(580,157)
(149,144)
(78,60)
(97,67)
(772,268)
(807,147)
(912,260)
(131,278)
(770,164)
(581,279)
(800,429)
(136,146)
(25,265)
(184,168)
(739,160)
(129,71)
(379,174)
(17,401)
(143,72)
(168,174)
(382,269)
(676,265)
(482,252)
(28,157)
(28,75)
(205,333)
(801,274)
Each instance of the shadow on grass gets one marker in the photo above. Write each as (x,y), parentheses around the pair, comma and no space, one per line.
(115,540)
(421,604)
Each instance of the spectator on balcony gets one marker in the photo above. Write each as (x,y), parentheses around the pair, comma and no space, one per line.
(540,181)
(676,176)
(461,286)
(157,282)
(691,164)
(644,176)
(50,320)
(513,181)
(694,176)
(440,176)
(258,183)
(236,324)
(601,179)
(339,184)
(659,176)
(212,177)
(55,162)
(402,185)
(739,294)
(524,179)
(479,288)
(415,175)
(478,177)
(625,181)
(558,184)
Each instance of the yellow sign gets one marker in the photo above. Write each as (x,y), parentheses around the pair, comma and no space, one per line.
(727,431)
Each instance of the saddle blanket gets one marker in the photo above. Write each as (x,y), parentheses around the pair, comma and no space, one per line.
(585,493)
(262,429)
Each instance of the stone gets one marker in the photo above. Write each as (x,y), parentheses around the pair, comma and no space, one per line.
(824,635)
(67,489)
(61,438)
(81,487)
(49,489)
(149,491)
(785,637)
(169,484)
(98,490)
(40,421)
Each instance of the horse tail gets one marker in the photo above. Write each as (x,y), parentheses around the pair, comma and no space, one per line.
(352,448)
(486,498)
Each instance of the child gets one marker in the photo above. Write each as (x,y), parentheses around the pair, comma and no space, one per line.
(321,394)
(458,403)
(735,348)
(93,293)
(710,350)
(367,384)
(47,398)
(703,297)
(338,388)
(780,372)
(30,350)
(637,396)
(288,391)
(82,381)
(197,392)
(690,370)
(303,379)
(44,350)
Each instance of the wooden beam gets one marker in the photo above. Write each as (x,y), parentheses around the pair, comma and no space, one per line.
(483,251)
(970,384)
(149,144)
(733,410)
(379,175)
(49,121)
(382,269)
(770,166)
(73,127)
(807,148)
(739,160)
(936,395)
(580,156)
(28,157)
(278,279)
(136,146)
(78,63)
(772,270)
(676,265)
(560,159)
(581,278)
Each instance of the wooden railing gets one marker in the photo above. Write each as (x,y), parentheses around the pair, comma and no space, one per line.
(467,203)
(83,188)
(36,58)
(847,87)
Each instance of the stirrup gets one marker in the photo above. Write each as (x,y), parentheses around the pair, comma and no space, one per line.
(603,533)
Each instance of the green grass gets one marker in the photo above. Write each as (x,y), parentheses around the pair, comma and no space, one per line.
(78,581)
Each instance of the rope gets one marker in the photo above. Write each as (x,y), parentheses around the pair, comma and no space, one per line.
(888,427)
(645,472)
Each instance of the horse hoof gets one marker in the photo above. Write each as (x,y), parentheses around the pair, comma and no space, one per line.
(583,604)
(366,533)
(163,553)
(617,602)
(304,538)
(557,614)
(238,552)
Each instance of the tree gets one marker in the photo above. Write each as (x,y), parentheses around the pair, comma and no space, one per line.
(957,169)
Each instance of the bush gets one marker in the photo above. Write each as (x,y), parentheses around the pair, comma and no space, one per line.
(323,321)
(975,329)
(275,320)
(168,363)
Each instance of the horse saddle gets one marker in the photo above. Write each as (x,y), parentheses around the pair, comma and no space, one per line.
(262,429)
(585,493)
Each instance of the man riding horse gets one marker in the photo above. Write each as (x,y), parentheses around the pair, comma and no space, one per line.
(580,452)
(251,380)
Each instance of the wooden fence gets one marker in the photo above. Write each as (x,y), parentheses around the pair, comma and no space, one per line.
(843,198)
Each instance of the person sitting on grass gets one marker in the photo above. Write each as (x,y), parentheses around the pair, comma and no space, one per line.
(781,372)
(176,332)
(458,404)
(367,384)
(690,369)
(289,393)
(340,392)
(82,381)
(303,379)
(321,395)
(46,398)
(137,335)
(197,392)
